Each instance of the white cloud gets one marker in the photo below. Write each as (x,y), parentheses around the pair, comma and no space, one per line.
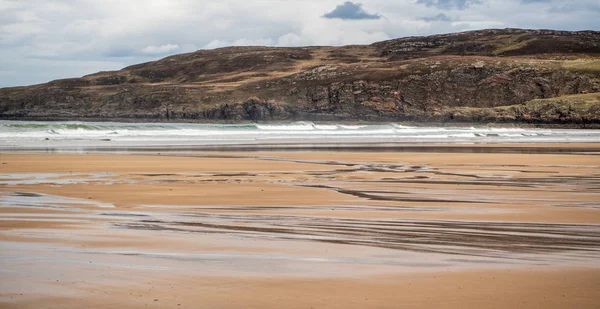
(241,42)
(293,39)
(160,50)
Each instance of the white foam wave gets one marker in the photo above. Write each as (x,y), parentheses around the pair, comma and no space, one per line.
(26,133)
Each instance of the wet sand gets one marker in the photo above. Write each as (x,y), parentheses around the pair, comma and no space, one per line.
(301,229)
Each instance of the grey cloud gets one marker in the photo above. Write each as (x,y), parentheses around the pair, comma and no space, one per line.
(438,17)
(9,18)
(350,10)
(449,4)
(535,1)
(570,8)
(119,53)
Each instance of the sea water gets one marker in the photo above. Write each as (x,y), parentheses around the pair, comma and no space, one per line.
(75,134)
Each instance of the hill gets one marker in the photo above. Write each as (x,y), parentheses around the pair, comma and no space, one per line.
(449,77)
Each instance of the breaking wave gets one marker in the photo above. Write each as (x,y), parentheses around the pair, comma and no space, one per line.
(22,132)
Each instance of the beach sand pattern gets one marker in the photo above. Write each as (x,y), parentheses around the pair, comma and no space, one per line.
(443,228)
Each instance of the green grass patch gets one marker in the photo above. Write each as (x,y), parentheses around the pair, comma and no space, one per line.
(577,99)
(511,45)
(586,66)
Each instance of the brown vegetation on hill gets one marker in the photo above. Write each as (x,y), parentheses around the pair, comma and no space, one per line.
(450,77)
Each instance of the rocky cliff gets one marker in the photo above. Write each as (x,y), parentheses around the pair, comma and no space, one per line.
(477,76)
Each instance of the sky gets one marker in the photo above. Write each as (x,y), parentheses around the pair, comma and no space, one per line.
(43,40)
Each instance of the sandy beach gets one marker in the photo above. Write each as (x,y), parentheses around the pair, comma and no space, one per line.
(342,229)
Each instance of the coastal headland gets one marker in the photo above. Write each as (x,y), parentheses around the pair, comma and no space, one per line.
(537,77)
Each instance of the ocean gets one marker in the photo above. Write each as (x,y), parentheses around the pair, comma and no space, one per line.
(97,135)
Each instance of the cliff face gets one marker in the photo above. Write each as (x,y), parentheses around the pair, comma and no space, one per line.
(438,78)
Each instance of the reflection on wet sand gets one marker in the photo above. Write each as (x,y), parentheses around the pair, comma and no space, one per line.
(77,227)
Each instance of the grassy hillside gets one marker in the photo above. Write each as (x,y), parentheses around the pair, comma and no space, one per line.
(461,71)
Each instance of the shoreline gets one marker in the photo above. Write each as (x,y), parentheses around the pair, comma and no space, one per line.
(416,123)
(525,148)
(297,136)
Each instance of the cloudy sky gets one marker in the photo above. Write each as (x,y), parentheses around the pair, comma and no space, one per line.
(42,40)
